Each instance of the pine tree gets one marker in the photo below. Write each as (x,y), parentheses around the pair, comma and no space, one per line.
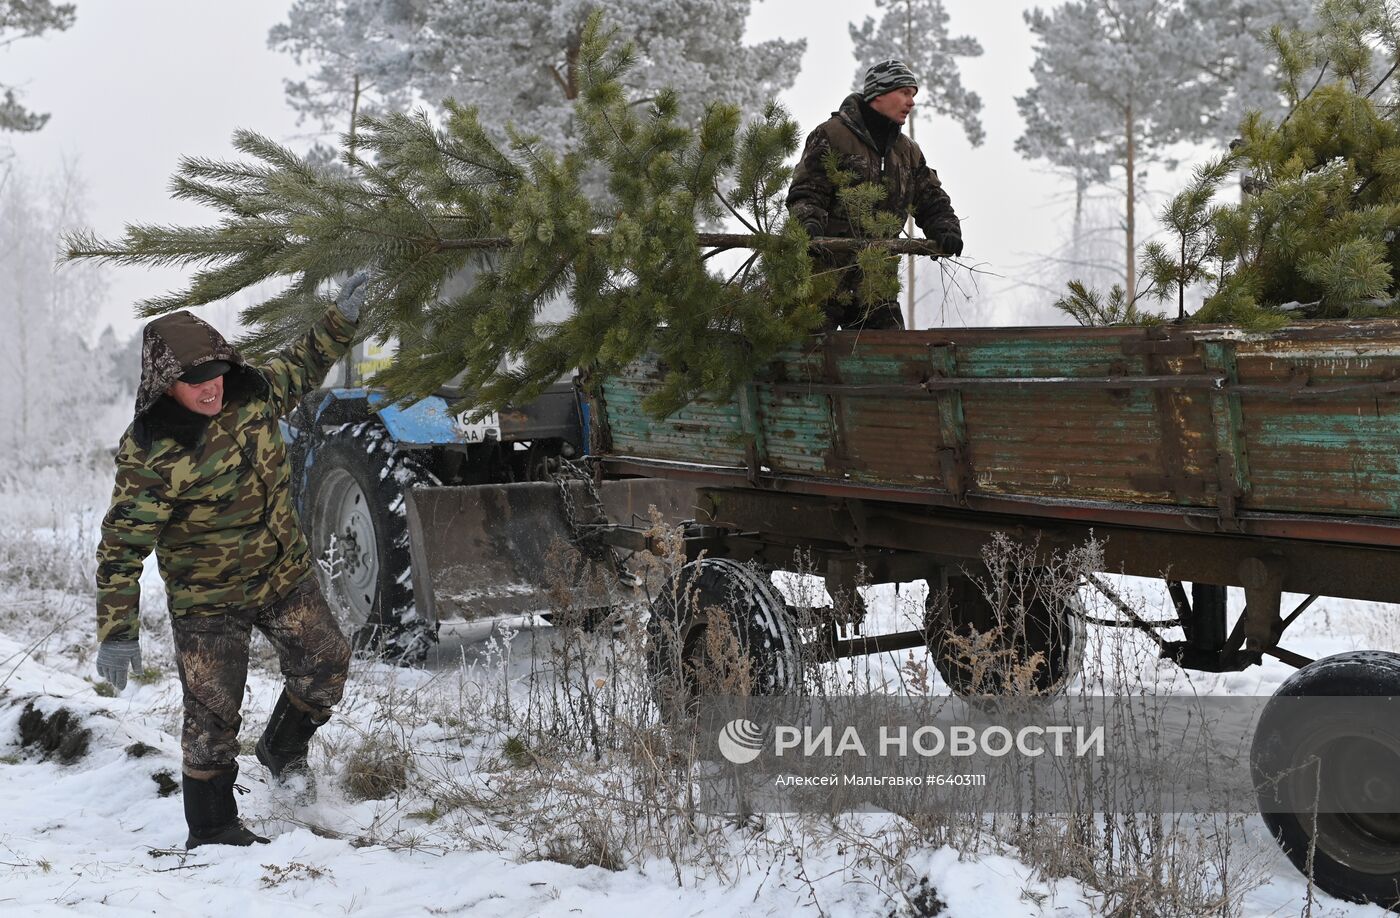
(916,32)
(519,60)
(1119,82)
(1316,234)
(421,202)
(27,19)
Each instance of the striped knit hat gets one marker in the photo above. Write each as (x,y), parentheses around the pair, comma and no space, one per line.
(885,77)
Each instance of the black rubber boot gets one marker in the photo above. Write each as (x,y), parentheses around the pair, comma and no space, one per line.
(212,813)
(282,747)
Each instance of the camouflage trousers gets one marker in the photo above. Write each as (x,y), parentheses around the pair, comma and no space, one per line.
(212,655)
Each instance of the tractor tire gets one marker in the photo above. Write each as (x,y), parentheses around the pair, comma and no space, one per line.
(981,650)
(358,528)
(1347,755)
(757,652)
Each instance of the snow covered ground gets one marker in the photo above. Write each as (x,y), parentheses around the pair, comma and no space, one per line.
(471,832)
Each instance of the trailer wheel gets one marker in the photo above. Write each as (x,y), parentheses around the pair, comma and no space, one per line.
(980,649)
(756,652)
(1355,855)
(358,531)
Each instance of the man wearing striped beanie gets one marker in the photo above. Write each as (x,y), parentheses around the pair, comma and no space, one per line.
(865,136)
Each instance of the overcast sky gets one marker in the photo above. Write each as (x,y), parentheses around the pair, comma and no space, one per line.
(136,84)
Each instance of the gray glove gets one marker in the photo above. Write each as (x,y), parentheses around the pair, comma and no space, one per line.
(113,659)
(352,295)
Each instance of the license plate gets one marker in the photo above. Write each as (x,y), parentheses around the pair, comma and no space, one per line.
(488,428)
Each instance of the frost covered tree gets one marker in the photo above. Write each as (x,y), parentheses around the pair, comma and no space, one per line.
(1119,82)
(21,19)
(916,32)
(52,381)
(358,49)
(518,61)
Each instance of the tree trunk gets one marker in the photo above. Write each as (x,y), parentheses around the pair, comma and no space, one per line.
(909,222)
(1130,287)
(909,231)
(571,66)
(354,113)
(1077,233)
(347,376)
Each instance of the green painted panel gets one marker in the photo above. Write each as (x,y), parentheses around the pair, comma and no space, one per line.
(1029,358)
(797,430)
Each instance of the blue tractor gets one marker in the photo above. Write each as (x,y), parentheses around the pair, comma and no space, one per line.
(358,459)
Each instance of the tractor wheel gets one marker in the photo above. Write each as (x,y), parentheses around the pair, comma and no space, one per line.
(1328,776)
(358,528)
(720,628)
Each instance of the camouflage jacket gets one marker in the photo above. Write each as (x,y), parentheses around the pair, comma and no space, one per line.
(211,496)
(911,187)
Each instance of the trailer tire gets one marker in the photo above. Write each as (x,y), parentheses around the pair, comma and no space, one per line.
(358,529)
(1355,856)
(980,650)
(758,654)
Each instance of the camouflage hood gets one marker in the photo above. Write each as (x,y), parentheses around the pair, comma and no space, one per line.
(173,344)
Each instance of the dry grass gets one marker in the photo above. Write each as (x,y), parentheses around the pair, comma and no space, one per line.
(375,768)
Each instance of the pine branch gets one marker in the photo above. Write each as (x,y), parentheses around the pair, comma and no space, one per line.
(724,241)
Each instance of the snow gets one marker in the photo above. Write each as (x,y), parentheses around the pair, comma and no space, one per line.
(94,837)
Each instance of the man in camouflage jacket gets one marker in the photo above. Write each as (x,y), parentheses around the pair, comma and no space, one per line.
(203,479)
(864,136)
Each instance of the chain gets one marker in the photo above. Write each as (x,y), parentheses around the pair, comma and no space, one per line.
(584,534)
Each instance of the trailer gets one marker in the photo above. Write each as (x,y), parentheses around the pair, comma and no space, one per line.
(1205,456)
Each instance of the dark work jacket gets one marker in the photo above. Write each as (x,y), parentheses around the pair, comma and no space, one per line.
(911,187)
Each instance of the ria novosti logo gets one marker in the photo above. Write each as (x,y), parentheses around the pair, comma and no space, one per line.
(741,741)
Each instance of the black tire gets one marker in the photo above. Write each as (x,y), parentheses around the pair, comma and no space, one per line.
(759,653)
(358,528)
(981,649)
(1355,856)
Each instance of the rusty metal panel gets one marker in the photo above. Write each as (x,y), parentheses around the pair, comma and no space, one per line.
(1311,457)
(1072,445)
(894,440)
(1026,355)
